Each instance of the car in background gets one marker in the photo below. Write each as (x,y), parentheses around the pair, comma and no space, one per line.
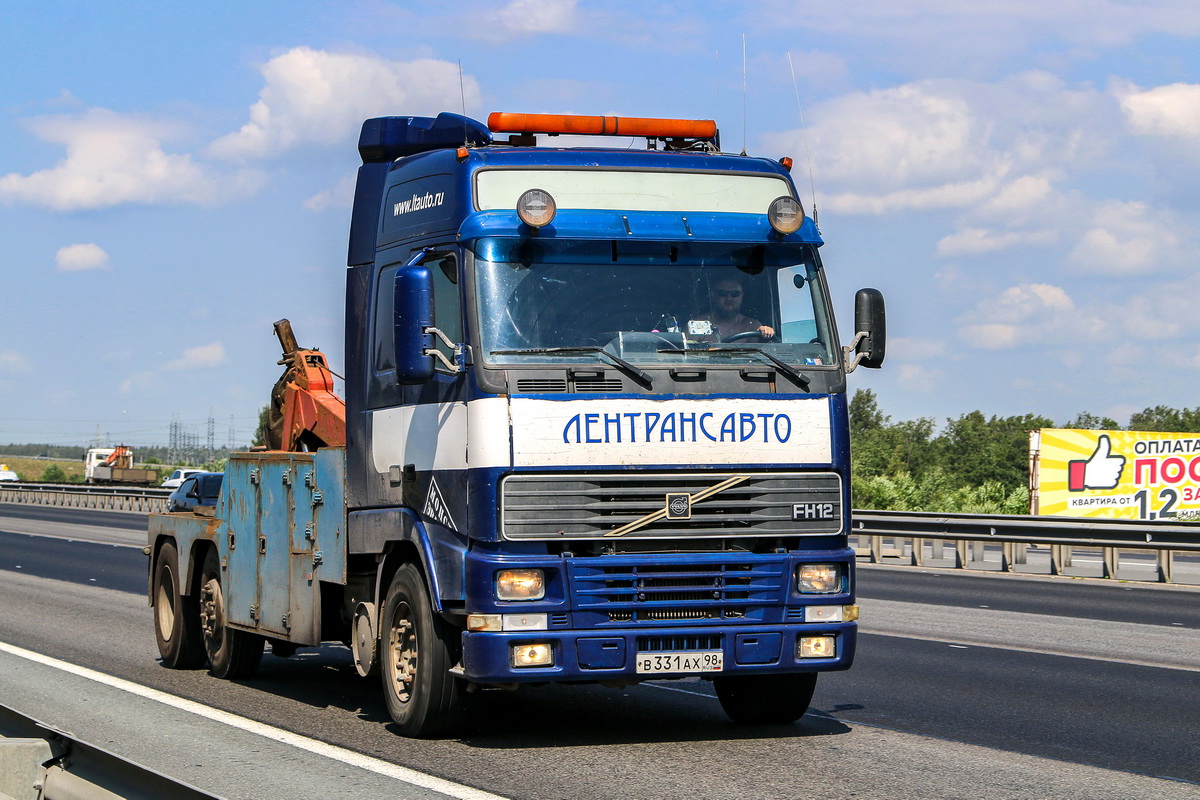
(198,489)
(177,478)
(7,474)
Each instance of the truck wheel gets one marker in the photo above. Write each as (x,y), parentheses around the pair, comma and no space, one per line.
(176,616)
(417,651)
(766,699)
(231,653)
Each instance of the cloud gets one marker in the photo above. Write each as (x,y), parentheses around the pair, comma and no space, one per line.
(111,159)
(978,241)
(1019,195)
(998,148)
(919,378)
(910,349)
(1029,313)
(1128,238)
(1162,312)
(1171,111)
(141,381)
(520,18)
(81,257)
(208,355)
(339,196)
(942,35)
(915,134)
(12,361)
(317,97)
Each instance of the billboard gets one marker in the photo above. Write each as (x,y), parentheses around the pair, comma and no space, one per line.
(1114,474)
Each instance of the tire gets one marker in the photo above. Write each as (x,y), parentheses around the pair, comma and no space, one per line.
(231,653)
(417,650)
(176,616)
(766,699)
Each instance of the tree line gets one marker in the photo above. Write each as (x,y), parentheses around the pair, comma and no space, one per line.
(974,465)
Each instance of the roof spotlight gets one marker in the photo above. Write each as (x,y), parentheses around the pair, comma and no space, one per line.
(536,208)
(785,214)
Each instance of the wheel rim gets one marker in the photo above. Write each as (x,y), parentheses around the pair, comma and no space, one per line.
(212,615)
(402,652)
(164,604)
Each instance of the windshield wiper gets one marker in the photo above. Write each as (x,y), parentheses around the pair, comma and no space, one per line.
(638,374)
(783,366)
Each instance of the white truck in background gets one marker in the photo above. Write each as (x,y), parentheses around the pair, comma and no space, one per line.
(115,465)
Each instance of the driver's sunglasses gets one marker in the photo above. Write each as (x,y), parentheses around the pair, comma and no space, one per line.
(727,292)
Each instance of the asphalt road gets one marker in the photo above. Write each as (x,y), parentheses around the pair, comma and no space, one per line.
(965,686)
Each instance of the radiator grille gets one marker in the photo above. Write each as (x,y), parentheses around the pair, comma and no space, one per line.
(677,644)
(623,591)
(560,507)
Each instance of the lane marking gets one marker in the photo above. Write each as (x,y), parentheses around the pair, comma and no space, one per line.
(681,691)
(376,765)
(75,538)
(1045,651)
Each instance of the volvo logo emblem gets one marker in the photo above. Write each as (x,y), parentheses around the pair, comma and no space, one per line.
(679,505)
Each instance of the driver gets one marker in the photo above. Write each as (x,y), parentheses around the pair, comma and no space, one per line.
(725,317)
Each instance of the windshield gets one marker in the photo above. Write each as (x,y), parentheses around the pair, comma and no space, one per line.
(651,303)
(210,486)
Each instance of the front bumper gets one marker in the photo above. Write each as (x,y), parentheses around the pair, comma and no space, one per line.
(611,654)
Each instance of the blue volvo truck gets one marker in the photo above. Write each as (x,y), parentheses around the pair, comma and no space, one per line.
(595,431)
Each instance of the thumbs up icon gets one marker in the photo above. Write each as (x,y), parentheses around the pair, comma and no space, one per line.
(1101,471)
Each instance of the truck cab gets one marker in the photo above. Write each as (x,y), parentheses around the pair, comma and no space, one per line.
(606,473)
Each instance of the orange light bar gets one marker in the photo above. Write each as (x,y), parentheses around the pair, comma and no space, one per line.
(506,122)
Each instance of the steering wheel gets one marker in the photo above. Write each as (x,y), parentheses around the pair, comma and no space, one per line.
(737,337)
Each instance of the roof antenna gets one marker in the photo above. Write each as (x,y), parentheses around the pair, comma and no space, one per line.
(743,94)
(804,130)
(461,91)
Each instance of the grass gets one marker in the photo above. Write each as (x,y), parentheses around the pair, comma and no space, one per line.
(30,470)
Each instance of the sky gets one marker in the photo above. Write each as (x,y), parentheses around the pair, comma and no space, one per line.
(1020,178)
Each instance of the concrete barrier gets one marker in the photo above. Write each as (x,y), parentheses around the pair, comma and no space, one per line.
(38,762)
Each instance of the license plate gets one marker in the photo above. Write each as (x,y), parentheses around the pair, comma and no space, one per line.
(702,661)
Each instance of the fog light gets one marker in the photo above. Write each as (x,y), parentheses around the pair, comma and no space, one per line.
(533,655)
(536,208)
(819,578)
(818,647)
(823,614)
(520,584)
(484,622)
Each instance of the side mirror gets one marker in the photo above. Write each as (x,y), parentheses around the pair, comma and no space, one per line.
(870,330)
(412,299)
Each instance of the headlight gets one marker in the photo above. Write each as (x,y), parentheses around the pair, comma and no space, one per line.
(520,584)
(819,578)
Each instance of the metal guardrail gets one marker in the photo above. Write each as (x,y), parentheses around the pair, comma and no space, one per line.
(105,498)
(38,762)
(920,538)
(914,538)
